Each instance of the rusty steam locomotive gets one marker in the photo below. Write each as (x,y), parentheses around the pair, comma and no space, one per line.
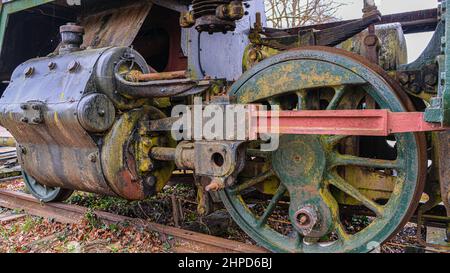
(360,130)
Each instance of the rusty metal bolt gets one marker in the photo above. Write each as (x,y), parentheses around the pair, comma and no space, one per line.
(37,120)
(222,12)
(232,11)
(305,219)
(403,78)
(92,157)
(51,65)
(371,40)
(150,181)
(236,10)
(73,66)
(187,19)
(29,71)
(431,79)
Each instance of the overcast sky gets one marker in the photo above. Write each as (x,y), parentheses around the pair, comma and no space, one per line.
(416,42)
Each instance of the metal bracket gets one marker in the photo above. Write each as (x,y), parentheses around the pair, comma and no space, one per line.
(33,112)
(217,159)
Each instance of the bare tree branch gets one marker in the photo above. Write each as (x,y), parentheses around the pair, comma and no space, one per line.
(295,13)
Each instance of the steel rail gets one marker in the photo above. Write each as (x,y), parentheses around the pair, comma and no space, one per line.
(181,241)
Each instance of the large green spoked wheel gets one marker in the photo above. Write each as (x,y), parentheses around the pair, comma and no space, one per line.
(43,193)
(316,174)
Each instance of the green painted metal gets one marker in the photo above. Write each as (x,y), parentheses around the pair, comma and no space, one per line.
(300,163)
(445,70)
(294,75)
(439,110)
(307,165)
(12,7)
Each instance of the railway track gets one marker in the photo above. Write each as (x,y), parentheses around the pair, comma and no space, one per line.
(181,241)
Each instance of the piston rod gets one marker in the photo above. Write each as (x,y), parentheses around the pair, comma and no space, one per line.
(137,76)
(158,88)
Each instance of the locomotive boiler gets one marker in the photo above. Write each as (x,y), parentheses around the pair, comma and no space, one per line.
(357,130)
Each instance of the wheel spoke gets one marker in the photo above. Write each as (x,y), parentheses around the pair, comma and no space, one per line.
(333,204)
(298,240)
(337,98)
(350,160)
(341,233)
(272,205)
(344,186)
(252,182)
(301,104)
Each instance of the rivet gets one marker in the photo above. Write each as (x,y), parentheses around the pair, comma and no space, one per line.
(73,66)
(51,65)
(93,158)
(28,71)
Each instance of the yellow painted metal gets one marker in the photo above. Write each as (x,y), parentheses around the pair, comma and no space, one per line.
(7,142)
(130,135)
(374,185)
(254,54)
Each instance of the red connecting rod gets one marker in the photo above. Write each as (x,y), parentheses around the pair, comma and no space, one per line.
(339,122)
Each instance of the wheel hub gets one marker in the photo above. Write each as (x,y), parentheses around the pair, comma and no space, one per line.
(300,162)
